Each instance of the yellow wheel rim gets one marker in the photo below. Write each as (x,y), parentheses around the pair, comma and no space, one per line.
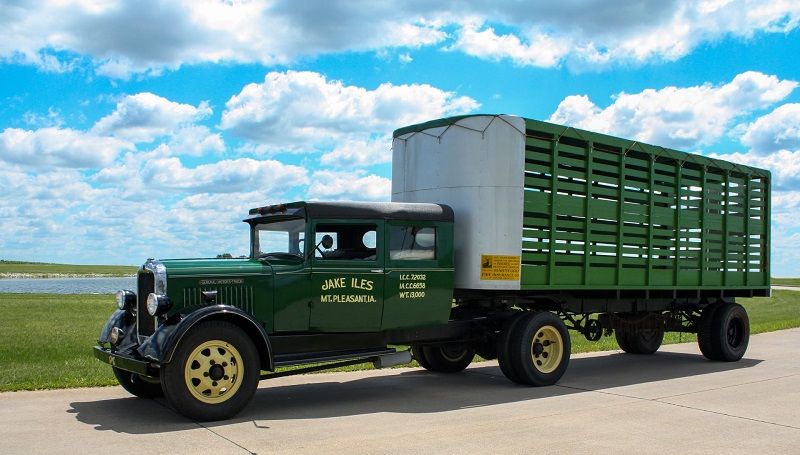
(214,371)
(547,349)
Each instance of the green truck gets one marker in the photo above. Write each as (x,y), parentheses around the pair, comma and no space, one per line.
(503,233)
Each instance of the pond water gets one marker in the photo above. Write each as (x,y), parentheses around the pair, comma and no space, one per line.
(91,285)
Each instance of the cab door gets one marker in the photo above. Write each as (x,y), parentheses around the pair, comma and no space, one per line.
(419,274)
(347,279)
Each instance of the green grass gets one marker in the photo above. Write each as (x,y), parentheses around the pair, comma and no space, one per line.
(41,268)
(786,281)
(46,340)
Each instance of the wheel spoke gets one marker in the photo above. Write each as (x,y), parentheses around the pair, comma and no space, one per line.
(212,371)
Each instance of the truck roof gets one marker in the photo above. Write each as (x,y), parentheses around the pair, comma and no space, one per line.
(359,210)
(539,128)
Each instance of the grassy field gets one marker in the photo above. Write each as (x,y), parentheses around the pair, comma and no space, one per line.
(786,281)
(40,268)
(46,339)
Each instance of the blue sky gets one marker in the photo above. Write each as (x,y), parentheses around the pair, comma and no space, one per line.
(147,129)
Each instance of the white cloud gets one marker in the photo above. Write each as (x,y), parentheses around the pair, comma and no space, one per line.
(196,140)
(59,147)
(150,36)
(359,152)
(540,50)
(305,110)
(356,185)
(590,35)
(778,130)
(144,117)
(683,118)
(226,176)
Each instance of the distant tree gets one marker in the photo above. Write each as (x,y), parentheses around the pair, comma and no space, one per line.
(225,256)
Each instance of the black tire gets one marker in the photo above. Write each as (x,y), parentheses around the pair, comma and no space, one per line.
(539,349)
(640,341)
(705,332)
(138,385)
(213,373)
(447,358)
(419,356)
(503,347)
(730,332)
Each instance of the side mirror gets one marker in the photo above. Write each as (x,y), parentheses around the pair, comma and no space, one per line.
(327,241)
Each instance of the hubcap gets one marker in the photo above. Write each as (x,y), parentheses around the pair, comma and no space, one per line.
(453,353)
(734,333)
(213,371)
(547,349)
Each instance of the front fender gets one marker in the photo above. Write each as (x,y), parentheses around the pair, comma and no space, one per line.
(120,318)
(162,344)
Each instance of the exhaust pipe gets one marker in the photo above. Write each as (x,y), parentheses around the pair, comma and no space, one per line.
(394,359)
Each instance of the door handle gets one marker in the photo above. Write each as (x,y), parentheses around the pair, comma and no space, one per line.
(376,270)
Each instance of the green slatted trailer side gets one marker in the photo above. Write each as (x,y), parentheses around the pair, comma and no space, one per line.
(603,213)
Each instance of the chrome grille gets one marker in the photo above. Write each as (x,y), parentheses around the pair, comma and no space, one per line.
(145,324)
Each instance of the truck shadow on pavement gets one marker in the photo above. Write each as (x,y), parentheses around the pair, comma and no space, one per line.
(410,391)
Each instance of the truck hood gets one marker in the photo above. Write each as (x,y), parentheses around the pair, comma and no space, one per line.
(182,267)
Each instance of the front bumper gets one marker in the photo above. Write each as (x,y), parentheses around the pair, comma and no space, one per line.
(126,362)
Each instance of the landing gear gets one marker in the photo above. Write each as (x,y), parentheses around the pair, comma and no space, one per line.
(724,332)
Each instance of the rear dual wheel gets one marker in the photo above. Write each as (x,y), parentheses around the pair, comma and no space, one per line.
(444,358)
(534,348)
(724,332)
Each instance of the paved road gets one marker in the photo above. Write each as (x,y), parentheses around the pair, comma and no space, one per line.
(787,288)
(674,401)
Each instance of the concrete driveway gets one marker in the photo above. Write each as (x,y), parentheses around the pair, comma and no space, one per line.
(607,403)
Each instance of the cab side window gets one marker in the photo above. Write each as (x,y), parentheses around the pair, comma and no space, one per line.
(412,243)
(350,242)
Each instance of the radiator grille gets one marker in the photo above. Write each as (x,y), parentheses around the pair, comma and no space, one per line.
(145,324)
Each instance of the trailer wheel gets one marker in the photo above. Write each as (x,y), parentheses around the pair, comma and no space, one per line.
(539,349)
(730,332)
(214,372)
(419,356)
(447,358)
(138,385)
(639,341)
(504,347)
(705,332)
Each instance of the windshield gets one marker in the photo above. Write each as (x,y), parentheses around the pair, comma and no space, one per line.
(280,237)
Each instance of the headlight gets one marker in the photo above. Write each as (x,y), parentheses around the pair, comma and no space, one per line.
(157,304)
(126,299)
(160,272)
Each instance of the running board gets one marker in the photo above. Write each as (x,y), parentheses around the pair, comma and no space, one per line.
(387,358)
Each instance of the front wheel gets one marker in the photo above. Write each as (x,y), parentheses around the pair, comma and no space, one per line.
(137,385)
(214,372)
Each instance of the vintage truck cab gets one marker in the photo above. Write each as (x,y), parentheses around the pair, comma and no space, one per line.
(323,282)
